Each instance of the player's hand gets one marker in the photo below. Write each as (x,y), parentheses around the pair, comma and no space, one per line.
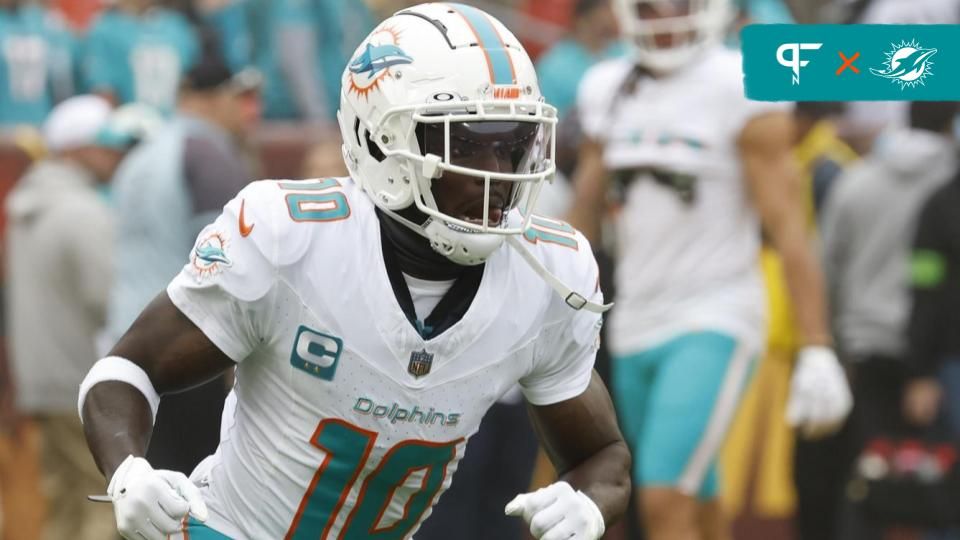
(820,398)
(557,512)
(151,504)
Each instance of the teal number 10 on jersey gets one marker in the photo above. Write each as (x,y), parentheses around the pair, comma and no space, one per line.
(319,204)
(410,473)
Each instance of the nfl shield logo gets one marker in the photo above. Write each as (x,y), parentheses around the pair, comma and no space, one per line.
(420,362)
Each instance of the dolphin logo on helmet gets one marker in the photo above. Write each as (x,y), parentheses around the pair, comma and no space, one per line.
(471,91)
(377,58)
(433,71)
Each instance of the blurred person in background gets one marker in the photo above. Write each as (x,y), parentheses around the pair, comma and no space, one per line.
(58,270)
(808,11)
(821,154)
(933,340)
(700,169)
(867,227)
(301,47)
(19,438)
(20,490)
(138,51)
(756,464)
(592,39)
(165,193)
(37,61)
(229,19)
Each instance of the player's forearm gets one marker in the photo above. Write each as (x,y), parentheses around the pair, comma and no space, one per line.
(806,284)
(605,478)
(117,422)
(590,190)
(586,218)
(776,188)
(589,204)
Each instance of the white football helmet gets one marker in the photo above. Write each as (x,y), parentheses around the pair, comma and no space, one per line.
(688,27)
(429,90)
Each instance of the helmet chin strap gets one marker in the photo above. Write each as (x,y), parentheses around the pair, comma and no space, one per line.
(446,241)
(573,299)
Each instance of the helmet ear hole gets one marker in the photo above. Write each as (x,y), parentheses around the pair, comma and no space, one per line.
(372,147)
(356,131)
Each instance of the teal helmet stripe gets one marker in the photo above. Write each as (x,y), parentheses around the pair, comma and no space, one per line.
(498,57)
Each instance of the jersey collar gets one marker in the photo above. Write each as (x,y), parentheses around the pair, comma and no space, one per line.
(461,317)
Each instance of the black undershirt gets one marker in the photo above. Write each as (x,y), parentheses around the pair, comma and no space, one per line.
(406,252)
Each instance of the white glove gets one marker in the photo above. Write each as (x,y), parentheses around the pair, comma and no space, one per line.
(151,504)
(557,512)
(820,398)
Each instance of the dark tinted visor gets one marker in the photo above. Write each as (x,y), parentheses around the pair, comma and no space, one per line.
(498,146)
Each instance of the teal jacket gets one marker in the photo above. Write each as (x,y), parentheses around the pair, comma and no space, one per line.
(36,65)
(139,59)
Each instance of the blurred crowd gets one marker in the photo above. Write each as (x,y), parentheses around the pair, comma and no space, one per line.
(126,125)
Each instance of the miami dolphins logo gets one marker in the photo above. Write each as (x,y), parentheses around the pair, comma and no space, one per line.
(908,64)
(210,256)
(373,63)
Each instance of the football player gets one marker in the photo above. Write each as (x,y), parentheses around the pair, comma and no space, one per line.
(372,320)
(138,51)
(37,65)
(700,169)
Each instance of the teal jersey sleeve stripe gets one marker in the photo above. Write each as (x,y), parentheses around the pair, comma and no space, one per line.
(501,66)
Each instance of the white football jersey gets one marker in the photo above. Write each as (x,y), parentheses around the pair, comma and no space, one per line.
(346,422)
(687,237)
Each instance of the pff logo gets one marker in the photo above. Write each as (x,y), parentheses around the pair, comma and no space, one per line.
(794,62)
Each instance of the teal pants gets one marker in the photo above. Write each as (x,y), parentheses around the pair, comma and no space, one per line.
(675,403)
(198,531)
